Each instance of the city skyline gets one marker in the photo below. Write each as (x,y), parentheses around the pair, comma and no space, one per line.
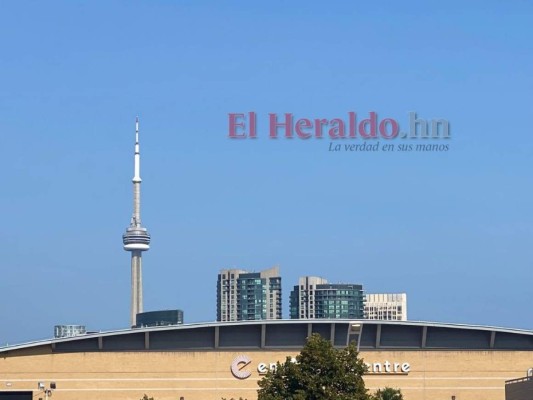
(426,224)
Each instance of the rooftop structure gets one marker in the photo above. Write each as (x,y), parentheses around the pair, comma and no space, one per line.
(291,334)
(159,318)
(63,331)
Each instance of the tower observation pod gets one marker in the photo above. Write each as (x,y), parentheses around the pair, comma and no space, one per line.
(136,239)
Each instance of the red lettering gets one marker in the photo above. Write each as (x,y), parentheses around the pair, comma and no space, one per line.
(338,130)
(302,124)
(394,128)
(234,124)
(369,122)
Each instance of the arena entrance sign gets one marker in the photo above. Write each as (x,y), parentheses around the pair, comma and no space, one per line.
(241,362)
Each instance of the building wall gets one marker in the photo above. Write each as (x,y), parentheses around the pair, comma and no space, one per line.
(206,375)
(315,298)
(227,294)
(386,307)
(243,296)
(302,298)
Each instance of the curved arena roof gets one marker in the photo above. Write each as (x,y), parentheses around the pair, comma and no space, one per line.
(369,335)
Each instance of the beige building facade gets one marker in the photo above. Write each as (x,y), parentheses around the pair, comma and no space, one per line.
(128,364)
(386,306)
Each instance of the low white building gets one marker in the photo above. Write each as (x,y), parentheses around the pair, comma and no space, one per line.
(386,306)
(63,331)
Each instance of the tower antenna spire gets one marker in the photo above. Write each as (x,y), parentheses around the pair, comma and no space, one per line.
(136,239)
(136,130)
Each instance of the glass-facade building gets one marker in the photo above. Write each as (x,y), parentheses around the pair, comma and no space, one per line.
(244,296)
(315,298)
(159,318)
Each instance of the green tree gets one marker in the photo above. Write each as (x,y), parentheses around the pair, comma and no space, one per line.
(320,372)
(240,398)
(388,394)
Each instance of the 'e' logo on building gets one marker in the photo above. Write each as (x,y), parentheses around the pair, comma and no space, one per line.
(238,365)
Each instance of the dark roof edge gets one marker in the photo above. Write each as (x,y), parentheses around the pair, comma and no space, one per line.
(266,322)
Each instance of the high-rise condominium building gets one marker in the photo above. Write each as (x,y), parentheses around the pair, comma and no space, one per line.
(243,295)
(389,307)
(314,297)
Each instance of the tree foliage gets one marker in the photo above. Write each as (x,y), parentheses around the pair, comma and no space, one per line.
(320,372)
(388,394)
(240,398)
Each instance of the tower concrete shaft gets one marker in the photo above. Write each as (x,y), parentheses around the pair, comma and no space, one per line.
(136,239)
(136,286)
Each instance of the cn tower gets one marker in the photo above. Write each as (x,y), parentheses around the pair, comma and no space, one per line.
(136,239)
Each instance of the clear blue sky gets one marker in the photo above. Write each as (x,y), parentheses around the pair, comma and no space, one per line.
(452,229)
